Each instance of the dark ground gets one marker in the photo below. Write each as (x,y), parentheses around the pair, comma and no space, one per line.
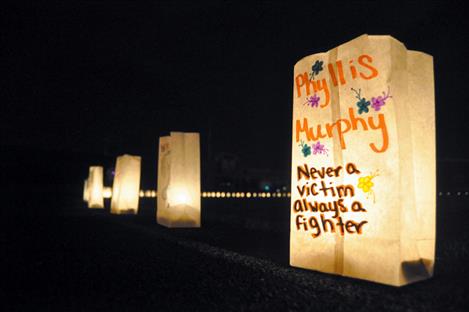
(86,260)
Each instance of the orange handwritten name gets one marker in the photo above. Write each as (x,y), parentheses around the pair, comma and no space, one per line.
(337,75)
(340,127)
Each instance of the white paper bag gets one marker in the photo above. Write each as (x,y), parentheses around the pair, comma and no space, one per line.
(178,202)
(95,187)
(85,191)
(126,185)
(363,162)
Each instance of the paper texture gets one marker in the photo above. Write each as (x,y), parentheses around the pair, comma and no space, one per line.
(363,162)
(126,185)
(178,203)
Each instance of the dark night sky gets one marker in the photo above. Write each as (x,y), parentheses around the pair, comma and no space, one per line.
(111,77)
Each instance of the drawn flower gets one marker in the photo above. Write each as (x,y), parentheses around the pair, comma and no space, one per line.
(313,101)
(363,106)
(366,184)
(379,101)
(316,69)
(362,103)
(319,148)
(305,149)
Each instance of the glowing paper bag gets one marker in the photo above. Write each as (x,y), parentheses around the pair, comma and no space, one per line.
(178,202)
(363,162)
(107,192)
(126,185)
(95,187)
(85,191)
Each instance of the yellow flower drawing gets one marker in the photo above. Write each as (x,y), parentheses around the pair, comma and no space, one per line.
(366,184)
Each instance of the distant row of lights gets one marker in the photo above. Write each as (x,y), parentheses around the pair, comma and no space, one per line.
(455,193)
(147,193)
(245,194)
(153,194)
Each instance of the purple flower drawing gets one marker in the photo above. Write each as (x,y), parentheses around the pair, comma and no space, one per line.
(313,101)
(378,102)
(319,148)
